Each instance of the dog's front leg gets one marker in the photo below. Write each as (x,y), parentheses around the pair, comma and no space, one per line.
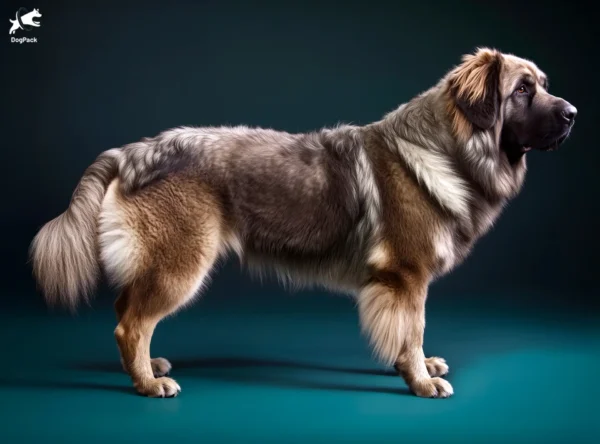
(392,313)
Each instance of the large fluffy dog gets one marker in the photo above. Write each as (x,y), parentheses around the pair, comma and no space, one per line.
(379,210)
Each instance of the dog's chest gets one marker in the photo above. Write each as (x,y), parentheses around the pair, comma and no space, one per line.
(453,242)
(445,249)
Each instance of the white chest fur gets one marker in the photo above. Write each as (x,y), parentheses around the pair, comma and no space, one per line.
(445,250)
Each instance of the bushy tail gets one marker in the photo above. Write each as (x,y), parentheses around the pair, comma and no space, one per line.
(64,252)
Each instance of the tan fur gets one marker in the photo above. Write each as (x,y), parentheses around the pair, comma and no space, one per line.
(64,252)
(436,366)
(468,82)
(513,67)
(379,255)
(462,129)
(175,227)
(471,76)
(392,305)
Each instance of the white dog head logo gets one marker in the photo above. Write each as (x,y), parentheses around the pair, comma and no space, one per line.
(25,20)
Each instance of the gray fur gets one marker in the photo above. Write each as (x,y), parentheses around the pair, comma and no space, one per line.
(305,205)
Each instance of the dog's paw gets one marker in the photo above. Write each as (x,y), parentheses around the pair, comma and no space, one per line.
(436,366)
(159,388)
(432,388)
(160,367)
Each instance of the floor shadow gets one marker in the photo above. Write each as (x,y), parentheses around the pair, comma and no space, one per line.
(235,370)
(296,383)
(62,385)
(235,363)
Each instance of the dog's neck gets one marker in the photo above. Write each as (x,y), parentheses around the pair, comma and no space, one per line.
(422,127)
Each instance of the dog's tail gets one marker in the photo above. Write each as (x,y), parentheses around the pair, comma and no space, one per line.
(64,252)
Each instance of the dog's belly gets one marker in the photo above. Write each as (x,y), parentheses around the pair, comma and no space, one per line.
(342,274)
(315,247)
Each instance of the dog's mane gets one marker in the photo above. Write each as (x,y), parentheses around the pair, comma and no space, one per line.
(451,167)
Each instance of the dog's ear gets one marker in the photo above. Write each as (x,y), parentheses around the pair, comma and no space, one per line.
(475,87)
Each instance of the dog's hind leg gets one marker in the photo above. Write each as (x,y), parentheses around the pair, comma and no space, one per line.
(160,366)
(142,305)
(146,306)
(161,243)
(133,335)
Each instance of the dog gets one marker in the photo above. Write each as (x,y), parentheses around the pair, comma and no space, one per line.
(27,20)
(378,211)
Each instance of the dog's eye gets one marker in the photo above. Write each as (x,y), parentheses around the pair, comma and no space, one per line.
(521,89)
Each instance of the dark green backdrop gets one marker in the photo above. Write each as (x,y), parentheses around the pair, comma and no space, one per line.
(103,76)
(256,364)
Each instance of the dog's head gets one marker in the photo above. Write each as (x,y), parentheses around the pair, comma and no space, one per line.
(494,90)
(35,13)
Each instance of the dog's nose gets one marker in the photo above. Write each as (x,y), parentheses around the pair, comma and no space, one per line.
(569,112)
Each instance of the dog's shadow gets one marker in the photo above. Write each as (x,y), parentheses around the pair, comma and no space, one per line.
(244,370)
(18,383)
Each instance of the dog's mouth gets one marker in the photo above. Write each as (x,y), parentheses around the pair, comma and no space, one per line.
(549,146)
(515,150)
(35,22)
(553,146)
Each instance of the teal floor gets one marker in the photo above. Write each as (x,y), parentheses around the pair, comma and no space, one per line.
(297,370)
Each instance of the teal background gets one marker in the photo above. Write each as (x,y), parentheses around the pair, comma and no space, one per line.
(518,322)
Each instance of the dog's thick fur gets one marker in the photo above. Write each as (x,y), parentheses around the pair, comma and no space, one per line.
(378,211)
